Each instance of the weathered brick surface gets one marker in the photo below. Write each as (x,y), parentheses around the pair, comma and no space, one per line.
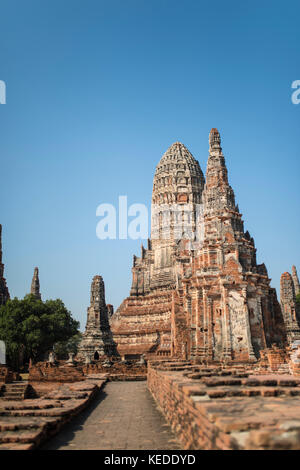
(4,294)
(97,339)
(117,370)
(7,375)
(26,424)
(206,299)
(63,372)
(35,284)
(289,286)
(58,372)
(223,412)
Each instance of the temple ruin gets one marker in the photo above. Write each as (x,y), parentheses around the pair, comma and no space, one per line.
(199,294)
(35,285)
(289,288)
(97,339)
(4,294)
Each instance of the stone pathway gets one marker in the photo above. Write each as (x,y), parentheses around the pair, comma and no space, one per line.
(123,417)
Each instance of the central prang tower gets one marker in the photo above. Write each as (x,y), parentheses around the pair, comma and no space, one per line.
(204,298)
(142,324)
(178,183)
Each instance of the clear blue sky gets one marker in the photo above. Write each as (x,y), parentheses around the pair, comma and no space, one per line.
(98,90)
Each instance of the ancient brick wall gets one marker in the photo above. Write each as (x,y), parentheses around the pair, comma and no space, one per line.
(143,324)
(60,372)
(64,372)
(193,428)
(7,375)
(216,408)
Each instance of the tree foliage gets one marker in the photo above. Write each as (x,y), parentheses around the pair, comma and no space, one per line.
(30,327)
(62,348)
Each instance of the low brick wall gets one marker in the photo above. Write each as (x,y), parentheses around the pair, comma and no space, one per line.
(59,372)
(118,370)
(192,427)
(7,375)
(219,411)
(62,372)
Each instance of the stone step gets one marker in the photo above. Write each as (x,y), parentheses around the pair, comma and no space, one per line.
(23,436)
(20,425)
(16,382)
(15,387)
(12,394)
(30,406)
(10,397)
(17,446)
(17,391)
(54,412)
(25,424)
(252,392)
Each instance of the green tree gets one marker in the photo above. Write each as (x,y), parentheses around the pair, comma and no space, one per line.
(62,348)
(298,299)
(30,327)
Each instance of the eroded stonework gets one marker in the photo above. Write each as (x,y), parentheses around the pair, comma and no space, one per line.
(289,308)
(4,294)
(205,297)
(295,280)
(142,324)
(35,284)
(229,310)
(97,339)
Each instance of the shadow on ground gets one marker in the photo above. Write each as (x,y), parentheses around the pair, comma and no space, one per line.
(67,434)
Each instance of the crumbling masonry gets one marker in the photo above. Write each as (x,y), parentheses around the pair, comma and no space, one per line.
(289,288)
(4,294)
(205,297)
(97,339)
(35,284)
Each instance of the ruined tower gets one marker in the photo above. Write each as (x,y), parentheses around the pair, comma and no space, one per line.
(4,294)
(142,324)
(178,182)
(97,339)
(288,305)
(110,311)
(35,284)
(295,280)
(230,311)
(204,297)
